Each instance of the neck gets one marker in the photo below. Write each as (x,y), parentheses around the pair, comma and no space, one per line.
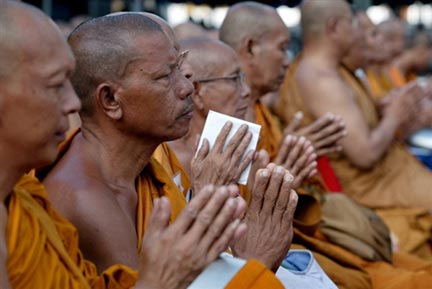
(119,158)
(195,129)
(8,179)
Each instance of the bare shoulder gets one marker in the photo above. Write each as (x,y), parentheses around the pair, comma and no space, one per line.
(322,87)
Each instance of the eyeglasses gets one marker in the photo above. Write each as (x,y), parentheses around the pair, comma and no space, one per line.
(181,58)
(238,78)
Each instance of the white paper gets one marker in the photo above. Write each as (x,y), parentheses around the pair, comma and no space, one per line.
(213,126)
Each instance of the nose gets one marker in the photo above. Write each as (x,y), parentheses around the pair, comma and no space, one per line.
(71,103)
(185,87)
(245,92)
(286,61)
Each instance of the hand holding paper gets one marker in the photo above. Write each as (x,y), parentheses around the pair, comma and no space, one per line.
(226,150)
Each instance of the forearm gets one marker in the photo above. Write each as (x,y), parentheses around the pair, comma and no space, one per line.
(377,144)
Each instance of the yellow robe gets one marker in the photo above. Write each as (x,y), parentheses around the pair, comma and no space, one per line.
(398,180)
(156,182)
(43,247)
(343,267)
(167,158)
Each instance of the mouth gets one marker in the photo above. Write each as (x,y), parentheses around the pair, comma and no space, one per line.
(187,113)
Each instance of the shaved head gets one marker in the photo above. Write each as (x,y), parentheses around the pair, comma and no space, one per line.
(315,15)
(241,23)
(393,34)
(189,30)
(204,55)
(15,35)
(103,48)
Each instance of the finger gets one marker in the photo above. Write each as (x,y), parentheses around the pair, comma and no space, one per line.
(284,148)
(331,140)
(261,180)
(238,143)
(283,198)
(294,123)
(222,136)
(218,225)
(302,161)
(244,163)
(320,123)
(312,173)
(189,214)
(211,211)
(294,153)
(288,216)
(203,150)
(304,173)
(223,241)
(272,191)
(159,217)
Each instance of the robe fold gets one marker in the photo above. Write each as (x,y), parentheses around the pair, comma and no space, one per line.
(43,247)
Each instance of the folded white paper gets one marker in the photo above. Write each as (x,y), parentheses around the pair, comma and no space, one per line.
(213,126)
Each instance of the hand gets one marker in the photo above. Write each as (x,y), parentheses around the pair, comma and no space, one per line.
(269,218)
(261,160)
(324,133)
(297,155)
(220,166)
(403,103)
(173,256)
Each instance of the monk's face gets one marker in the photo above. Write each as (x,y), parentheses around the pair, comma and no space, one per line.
(225,91)
(155,96)
(394,38)
(270,61)
(37,96)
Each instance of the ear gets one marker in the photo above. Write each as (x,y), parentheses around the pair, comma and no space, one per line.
(331,25)
(197,96)
(107,99)
(248,49)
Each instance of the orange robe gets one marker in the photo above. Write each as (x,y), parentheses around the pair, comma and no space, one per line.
(43,247)
(344,268)
(167,158)
(398,180)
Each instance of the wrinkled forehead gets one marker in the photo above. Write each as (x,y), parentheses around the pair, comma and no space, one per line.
(154,50)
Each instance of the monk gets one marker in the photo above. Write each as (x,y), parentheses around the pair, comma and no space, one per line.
(124,118)
(39,248)
(370,149)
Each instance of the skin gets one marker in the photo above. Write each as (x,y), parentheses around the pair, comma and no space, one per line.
(269,233)
(264,61)
(37,94)
(149,105)
(324,90)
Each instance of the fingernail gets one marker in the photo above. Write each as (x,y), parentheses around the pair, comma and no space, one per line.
(288,177)
(265,173)
(280,170)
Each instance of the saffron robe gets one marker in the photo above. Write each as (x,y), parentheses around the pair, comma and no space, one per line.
(43,247)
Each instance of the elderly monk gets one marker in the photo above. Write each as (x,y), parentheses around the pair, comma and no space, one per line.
(370,167)
(131,104)
(268,41)
(39,248)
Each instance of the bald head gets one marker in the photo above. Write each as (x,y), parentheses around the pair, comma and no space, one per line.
(189,30)
(21,29)
(103,48)
(240,23)
(316,14)
(393,34)
(204,56)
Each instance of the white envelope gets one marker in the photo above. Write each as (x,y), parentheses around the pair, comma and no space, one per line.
(214,124)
